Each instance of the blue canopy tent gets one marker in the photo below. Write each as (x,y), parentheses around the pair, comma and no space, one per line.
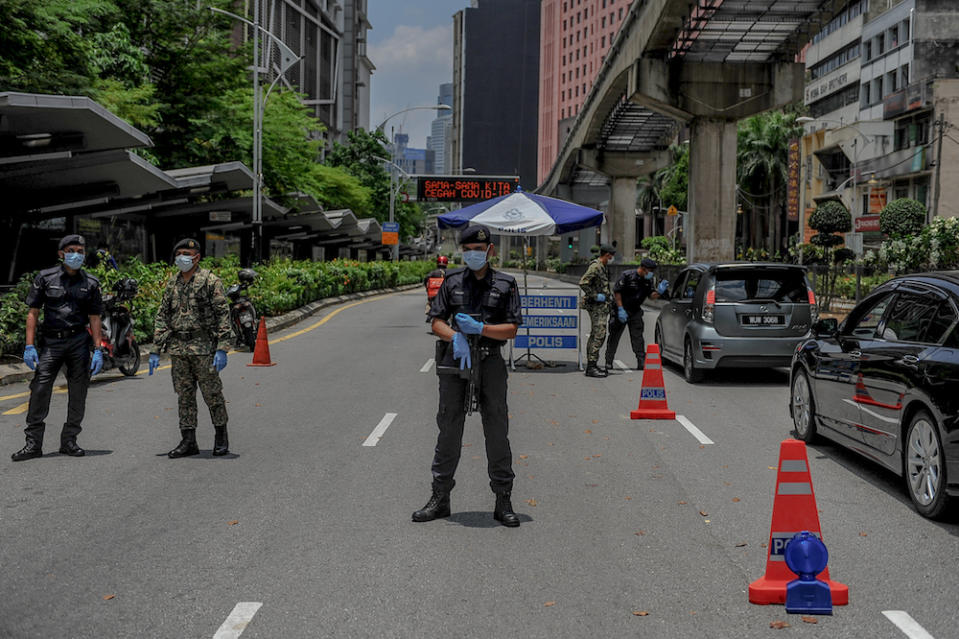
(524,215)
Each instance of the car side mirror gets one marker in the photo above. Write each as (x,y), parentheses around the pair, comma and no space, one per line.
(828,326)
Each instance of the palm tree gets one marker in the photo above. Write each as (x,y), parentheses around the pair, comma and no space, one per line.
(762,168)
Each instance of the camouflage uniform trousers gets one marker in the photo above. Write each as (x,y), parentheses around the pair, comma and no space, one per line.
(188,371)
(598,317)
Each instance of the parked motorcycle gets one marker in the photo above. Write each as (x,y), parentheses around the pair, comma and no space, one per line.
(119,344)
(242,312)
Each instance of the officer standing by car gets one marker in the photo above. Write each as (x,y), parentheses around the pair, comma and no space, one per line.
(630,291)
(71,301)
(596,297)
(484,307)
(193,325)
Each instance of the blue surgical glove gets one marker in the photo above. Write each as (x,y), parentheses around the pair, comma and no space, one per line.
(96,362)
(461,350)
(30,357)
(219,360)
(469,325)
(154,362)
(621,315)
(663,285)
(600,297)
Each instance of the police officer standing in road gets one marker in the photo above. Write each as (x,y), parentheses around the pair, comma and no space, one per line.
(483,306)
(630,291)
(71,301)
(193,325)
(596,297)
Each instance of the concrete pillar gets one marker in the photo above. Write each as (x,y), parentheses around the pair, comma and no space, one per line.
(711,227)
(621,217)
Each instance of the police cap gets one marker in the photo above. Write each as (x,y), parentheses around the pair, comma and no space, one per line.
(606,248)
(71,239)
(476,233)
(187,243)
(649,264)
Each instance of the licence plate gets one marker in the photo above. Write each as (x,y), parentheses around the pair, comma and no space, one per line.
(763,320)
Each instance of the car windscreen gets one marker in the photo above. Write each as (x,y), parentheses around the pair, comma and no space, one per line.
(752,284)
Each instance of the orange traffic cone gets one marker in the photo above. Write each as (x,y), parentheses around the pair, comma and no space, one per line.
(261,354)
(794,510)
(652,398)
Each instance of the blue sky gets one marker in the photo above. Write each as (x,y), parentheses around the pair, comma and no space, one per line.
(411,44)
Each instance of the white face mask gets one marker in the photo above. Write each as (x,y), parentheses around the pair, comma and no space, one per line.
(184,262)
(475,260)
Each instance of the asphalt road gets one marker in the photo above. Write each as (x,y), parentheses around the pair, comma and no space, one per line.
(311,528)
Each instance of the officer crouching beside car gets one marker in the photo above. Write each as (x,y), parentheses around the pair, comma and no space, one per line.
(71,300)
(484,308)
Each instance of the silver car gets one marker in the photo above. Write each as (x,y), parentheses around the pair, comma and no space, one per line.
(735,315)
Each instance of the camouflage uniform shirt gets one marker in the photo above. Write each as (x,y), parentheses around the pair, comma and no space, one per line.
(194,316)
(595,281)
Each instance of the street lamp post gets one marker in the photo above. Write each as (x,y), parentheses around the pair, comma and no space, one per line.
(287,59)
(436,107)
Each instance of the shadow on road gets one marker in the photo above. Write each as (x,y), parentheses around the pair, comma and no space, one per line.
(205,454)
(89,453)
(481,519)
(881,478)
(754,377)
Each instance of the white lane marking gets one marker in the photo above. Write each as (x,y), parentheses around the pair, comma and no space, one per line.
(238,620)
(622,366)
(909,626)
(698,434)
(427,366)
(380,429)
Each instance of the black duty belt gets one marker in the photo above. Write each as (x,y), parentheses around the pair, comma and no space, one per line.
(63,333)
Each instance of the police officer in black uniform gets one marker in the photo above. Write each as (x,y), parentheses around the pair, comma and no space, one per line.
(71,301)
(481,304)
(630,291)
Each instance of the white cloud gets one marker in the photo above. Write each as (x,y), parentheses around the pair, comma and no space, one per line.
(410,66)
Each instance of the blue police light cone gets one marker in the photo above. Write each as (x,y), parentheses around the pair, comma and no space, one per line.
(807,556)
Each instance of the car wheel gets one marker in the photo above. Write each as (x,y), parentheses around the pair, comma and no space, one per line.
(803,408)
(925,466)
(690,372)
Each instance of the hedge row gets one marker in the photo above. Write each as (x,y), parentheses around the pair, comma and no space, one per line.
(281,286)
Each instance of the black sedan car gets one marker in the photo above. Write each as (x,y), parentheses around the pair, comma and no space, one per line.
(885,384)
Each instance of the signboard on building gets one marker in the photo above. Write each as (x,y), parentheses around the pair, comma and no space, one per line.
(391,233)
(792,181)
(867,224)
(221,216)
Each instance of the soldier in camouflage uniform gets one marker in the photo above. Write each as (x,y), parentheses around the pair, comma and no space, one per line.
(596,299)
(193,325)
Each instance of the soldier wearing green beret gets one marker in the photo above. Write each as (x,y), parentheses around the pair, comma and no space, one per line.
(193,325)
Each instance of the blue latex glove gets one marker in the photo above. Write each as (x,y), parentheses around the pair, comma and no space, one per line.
(461,350)
(219,360)
(621,315)
(154,362)
(600,297)
(469,325)
(30,357)
(96,362)
(663,285)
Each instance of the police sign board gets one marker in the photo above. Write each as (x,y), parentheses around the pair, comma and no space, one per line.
(548,301)
(555,314)
(546,341)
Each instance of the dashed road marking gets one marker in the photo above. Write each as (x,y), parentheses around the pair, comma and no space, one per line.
(698,434)
(380,429)
(427,366)
(909,626)
(238,620)
(622,366)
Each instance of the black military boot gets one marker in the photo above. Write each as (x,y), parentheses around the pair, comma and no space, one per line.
(592,370)
(32,450)
(503,512)
(187,445)
(438,506)
(221,442)
(610,366)
(69,447)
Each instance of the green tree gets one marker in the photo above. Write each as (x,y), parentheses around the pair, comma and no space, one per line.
(675,177)
(902,218)
(762,168)
(827,219)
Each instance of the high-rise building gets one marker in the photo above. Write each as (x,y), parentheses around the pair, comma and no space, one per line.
(575,36)
(411,160)
(334,72)
(439,140)
(495,89)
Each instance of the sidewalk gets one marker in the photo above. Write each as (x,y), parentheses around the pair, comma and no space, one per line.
(19,372)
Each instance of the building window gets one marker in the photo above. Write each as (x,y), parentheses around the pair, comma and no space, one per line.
(892,37)
(904,76)
(904,31)
(602,42)
(602,23)
(867,50)
(620,13)
(879,45)
(864,101)
(876,91)
(890,83)
(577,91)
(577,73)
